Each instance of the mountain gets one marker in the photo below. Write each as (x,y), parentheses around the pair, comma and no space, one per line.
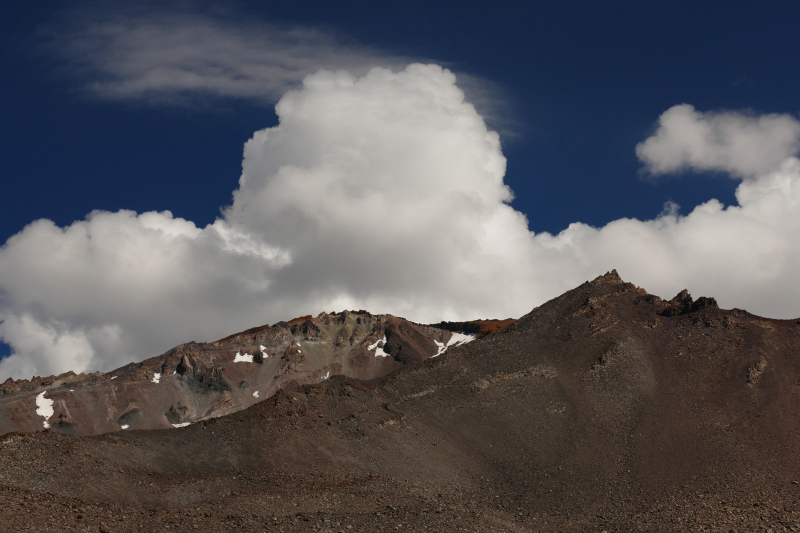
(606,408)
(197,381)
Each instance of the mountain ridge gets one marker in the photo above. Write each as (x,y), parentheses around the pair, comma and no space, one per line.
(205,380)
(598,410)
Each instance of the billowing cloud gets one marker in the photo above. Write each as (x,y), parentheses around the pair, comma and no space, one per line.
(383,192)
(746,255)
(743,145)
(109,289)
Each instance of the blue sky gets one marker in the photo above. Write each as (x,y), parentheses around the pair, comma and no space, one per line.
(572,87)
(583,84)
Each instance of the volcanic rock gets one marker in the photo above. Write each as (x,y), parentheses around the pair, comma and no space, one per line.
(196,381)
(594,412)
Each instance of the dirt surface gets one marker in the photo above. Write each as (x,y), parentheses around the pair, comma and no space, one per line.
(606,409)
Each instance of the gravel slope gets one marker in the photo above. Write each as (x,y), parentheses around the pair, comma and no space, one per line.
(604,409)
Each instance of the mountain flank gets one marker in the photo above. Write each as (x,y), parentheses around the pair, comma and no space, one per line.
(605,409)
(197,381)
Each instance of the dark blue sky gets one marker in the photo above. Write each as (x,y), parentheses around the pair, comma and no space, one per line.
(584,82)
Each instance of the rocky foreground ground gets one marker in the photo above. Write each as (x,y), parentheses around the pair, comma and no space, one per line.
(606,409)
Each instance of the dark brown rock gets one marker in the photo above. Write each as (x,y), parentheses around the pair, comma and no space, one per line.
(591,413)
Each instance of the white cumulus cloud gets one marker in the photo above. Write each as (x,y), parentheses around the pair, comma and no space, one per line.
(743,145)
(367,194)
(745,255)
(384,192)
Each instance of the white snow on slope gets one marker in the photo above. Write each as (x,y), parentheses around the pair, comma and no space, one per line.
(379,349)
(442,348)
(156,377)
(456,339)
(246,358)
(126,426)
(181,425)
(326,376)
(44,407)
(255,394)
(264,351)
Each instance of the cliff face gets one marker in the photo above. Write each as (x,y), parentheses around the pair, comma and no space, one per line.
(196,381)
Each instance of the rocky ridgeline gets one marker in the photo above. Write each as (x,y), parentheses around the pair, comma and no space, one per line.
(197,381)
(604,409)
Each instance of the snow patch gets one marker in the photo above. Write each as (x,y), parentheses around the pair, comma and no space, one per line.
(126,426)
(255,394)
(246,358)
(44,407)
(326,376)
(264,351)
(379,349)
(442,348)
(114,377)
(181,425)
(156,377)
(456,339)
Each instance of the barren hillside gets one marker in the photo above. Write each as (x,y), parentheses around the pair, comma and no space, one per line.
(604,409)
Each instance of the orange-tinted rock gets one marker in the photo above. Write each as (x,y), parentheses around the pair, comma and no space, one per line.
(481,328)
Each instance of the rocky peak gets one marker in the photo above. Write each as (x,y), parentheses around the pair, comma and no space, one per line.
(683,304)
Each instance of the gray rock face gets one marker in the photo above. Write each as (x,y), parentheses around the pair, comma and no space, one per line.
(197,381)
